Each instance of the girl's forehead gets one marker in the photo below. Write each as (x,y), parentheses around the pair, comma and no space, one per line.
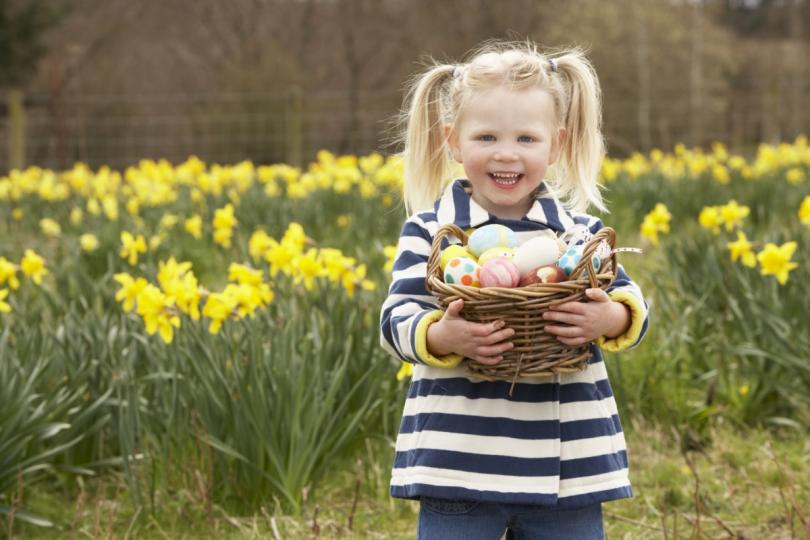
(501,102)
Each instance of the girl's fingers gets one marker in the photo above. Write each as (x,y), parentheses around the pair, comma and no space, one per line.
(570,307)
(573,342)
(565,331)
(562,316)
(484,330)
(497,337)
(455,307)
(494,350)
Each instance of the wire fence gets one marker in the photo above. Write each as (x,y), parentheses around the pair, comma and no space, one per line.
(120,130)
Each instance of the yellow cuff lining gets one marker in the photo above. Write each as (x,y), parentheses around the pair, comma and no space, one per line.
(420,344)
(622,342)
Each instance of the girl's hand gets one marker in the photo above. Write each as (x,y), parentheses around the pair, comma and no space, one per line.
(588,320)
(482,342)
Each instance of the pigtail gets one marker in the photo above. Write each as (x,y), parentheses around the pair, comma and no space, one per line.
(425,157)
(583,147)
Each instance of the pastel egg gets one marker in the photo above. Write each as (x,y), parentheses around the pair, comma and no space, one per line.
(462,271)
(495,252)
(499,272)
(570,259)
(490,236)
(536,252)
(451,251)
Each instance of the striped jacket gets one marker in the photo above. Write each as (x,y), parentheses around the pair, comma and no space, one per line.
(554,442)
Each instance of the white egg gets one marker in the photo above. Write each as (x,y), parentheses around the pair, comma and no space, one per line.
(536,252)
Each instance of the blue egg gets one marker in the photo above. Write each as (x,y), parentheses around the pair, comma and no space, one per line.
(491,236)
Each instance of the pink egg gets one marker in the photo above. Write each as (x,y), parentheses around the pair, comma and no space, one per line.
(499,272)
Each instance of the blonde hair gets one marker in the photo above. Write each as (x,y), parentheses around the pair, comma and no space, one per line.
(437,97)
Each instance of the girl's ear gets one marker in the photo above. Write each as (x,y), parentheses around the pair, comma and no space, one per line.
(556,145)
(451,137)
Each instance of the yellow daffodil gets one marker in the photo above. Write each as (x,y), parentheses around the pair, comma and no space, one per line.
(130,289)
(244,274)
(8,273)
(219,307)
(405,371)
(795,175)
(720,174)
(649,230)
(224,223)
(344,220)
(131,246)
(76,216)
(307,268)
(93,206)
(710,218)
(33,266)
(732,214)
(50,228)
(88,242)
(193,226)
(390,253)
(775,260)
(280,256)
(259,244)
(294,237)
(157,311)
(17,214)
(4,307)
(804,211)
(110,205)
(171,271)
(741,249)
(661,217)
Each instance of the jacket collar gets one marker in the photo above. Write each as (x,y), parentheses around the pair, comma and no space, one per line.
(457,206)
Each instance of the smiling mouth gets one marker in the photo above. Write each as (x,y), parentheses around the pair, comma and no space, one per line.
(505,179)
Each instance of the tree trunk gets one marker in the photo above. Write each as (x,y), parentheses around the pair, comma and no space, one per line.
(696,76)
(643,71)
(16,116)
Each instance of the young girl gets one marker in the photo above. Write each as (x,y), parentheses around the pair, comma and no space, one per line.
(538,463)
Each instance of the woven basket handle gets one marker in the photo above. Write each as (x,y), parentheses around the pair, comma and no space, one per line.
(433,265)
(607,234)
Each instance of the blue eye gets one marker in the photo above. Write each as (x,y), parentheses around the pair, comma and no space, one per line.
(487,137)
(526,138)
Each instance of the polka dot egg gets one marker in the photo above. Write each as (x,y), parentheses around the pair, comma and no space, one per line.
(462,271)
(491,236)
(570,259)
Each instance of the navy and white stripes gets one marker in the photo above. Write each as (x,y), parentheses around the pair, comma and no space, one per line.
(557,441)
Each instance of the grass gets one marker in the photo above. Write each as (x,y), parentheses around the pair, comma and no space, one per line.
(745,485)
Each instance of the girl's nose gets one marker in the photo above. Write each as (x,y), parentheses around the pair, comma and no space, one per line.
(505,155)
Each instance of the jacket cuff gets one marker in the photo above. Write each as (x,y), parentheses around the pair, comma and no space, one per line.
(420,344)
(624,341)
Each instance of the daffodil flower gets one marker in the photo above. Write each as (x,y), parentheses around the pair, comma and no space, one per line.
(775,260)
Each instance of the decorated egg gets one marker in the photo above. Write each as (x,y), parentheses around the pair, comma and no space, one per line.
(536,252)
(495,252)
(499,272)
(462,271)
(570,259)
(490,236)
(550,273)
(451,251)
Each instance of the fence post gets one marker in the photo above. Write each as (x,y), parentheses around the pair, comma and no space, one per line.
(16,115)
(292,123)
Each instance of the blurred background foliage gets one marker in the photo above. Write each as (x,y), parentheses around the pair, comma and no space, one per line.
(113,81)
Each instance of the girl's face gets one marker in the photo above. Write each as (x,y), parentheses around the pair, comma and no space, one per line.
(505,141)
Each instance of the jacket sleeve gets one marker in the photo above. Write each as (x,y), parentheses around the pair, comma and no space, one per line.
(409,308)
(626,291)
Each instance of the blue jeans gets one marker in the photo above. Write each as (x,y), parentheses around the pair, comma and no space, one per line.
(442,519)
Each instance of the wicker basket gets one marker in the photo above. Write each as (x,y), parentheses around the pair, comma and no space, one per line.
(536,353)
